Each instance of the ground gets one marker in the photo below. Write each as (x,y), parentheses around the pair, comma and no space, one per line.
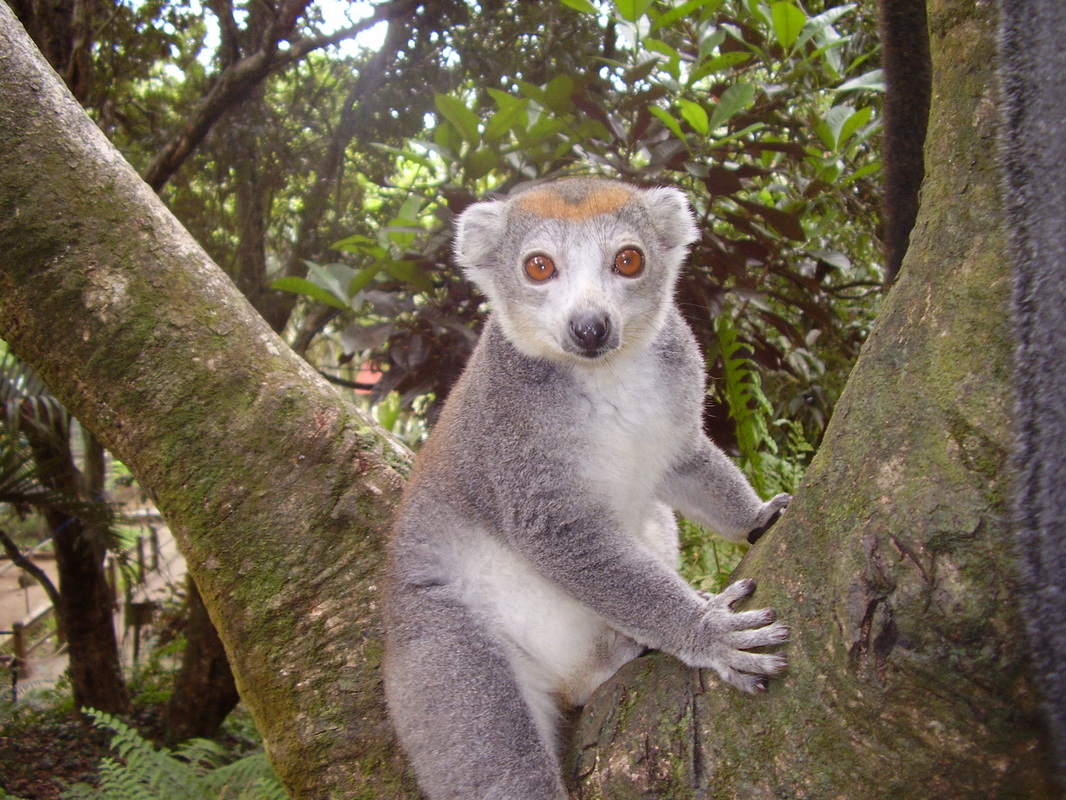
(42,755)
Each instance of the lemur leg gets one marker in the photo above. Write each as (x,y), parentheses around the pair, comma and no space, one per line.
(458,709)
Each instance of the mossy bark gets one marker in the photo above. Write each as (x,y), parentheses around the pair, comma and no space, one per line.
(894,565)
(278,491)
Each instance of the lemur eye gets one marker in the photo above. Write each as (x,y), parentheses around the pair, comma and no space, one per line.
(540,268)
(629,262)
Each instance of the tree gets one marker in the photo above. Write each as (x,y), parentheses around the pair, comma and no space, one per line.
(907,678)
(292,481)
(40,471)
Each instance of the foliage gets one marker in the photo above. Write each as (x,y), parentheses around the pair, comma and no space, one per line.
(30,413)
(707,561)
(191,772)
(763,112)
(752,412)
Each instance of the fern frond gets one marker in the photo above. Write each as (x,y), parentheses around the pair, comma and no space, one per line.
(249,778)
(143,772)
(753,413)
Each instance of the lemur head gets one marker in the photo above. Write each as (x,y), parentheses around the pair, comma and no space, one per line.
(578,269)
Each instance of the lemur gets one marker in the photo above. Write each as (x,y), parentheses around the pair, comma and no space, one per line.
(535,549)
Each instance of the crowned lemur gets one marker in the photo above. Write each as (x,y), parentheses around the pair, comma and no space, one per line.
(535,549)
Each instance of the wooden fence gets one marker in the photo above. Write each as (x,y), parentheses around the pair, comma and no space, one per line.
(32,642)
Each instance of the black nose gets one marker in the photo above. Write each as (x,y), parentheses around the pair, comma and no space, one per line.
(590,331)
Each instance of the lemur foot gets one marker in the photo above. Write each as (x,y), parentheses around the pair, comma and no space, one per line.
(770,513)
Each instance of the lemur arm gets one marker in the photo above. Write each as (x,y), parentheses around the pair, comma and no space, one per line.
(707,488)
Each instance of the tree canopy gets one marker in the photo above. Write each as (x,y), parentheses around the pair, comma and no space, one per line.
(322,172)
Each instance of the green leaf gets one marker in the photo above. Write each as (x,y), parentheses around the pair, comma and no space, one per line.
(409,272)
(694,115)
(788,22)
(357,243)
(363,278)
(873,81)
(840,123)
(738,97)
(511,114)
(480,163)
(559,93)
(717,64)
(668,121)
(820,26)
(447,139)
(673,58)
(674,14)
(533,92)
(408,155)
(632,10)
(855,121)
(584,6)
(308,289)
(455,111)
(788,225)
(331,277)
(640,71)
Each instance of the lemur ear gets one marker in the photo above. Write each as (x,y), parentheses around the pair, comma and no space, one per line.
(477,233)
(672,216)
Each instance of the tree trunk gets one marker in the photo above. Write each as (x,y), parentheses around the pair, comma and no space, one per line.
(204,689)
(85,607)
(894,567)
(278,492)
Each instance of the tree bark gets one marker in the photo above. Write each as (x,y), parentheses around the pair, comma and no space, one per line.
(278,492)
(894,565)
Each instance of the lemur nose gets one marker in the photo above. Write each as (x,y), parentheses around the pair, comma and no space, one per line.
(590,331)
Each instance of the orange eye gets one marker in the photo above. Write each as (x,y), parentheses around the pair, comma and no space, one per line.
(629,262)
(540,268)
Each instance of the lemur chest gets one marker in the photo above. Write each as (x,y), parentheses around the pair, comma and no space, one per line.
(633,430)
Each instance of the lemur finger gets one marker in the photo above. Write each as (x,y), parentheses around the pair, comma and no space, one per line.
(742,620)
(758,663)
(734,593)
(757,637)
(745,681)
(771,511)
(779,502)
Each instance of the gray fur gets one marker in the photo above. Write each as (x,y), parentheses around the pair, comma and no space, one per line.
(535,549)
(1034,150)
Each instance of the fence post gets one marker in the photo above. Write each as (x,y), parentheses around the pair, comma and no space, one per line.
(154,538)
(22,664)
(140,560)
(112,579)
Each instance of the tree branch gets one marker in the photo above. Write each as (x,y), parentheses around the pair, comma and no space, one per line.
(238,79)
(20,560)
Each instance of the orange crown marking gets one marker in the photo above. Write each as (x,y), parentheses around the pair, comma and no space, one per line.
(553,204)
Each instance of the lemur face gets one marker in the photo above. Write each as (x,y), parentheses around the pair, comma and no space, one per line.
(578,270)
